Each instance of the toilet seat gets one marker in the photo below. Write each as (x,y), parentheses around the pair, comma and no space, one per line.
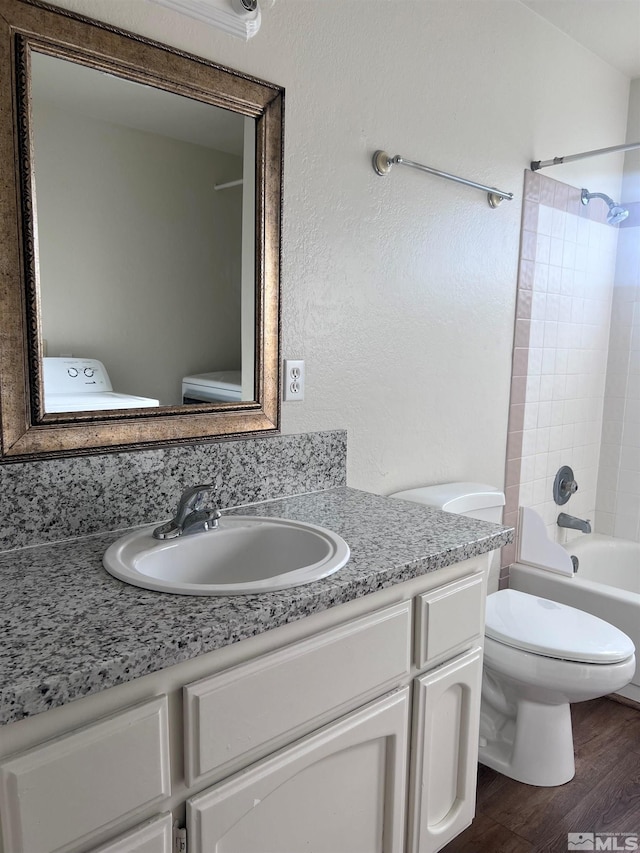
(550,629)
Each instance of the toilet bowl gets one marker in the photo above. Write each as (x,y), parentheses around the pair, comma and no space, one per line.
(539,657)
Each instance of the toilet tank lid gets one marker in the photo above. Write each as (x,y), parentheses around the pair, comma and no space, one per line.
(455,497)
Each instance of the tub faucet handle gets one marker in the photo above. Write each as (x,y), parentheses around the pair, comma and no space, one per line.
(564,485)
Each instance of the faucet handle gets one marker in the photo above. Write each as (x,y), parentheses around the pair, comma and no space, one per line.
(568,487)
(190,503)
(192,499)
(564,485)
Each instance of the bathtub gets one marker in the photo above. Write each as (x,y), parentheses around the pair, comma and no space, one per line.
(606,584)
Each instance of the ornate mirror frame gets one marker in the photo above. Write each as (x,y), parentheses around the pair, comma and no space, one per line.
(25,430)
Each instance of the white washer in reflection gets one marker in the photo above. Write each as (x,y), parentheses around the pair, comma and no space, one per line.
(83,385)
(218,386)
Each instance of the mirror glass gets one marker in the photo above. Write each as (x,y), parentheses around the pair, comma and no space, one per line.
(144,206)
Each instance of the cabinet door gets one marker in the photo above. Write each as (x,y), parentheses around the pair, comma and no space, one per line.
(339,790)
(446,721)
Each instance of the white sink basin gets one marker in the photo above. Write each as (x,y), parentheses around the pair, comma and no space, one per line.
(244,554)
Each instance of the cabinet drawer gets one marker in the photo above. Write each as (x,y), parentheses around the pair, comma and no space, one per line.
(449,619)
(65,792)
(154,836)
(248,711)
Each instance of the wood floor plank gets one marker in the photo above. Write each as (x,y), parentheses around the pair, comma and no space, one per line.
(490,783)
(487,836)
(588,719)
(528,810)
(591,719)
(612,805)
(618,736)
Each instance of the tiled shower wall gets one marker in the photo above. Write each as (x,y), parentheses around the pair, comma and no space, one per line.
(565,289)
(618,500)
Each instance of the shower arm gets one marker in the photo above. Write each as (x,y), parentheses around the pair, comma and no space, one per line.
(587,196)
(617,213)
(558,161)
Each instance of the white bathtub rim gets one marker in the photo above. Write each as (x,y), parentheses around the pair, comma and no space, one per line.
(596,587)
(602,540)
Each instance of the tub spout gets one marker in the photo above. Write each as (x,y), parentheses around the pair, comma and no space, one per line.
(573,523)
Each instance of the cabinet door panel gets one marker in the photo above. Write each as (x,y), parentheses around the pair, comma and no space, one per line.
(446,721)
(340,790)
(155,836)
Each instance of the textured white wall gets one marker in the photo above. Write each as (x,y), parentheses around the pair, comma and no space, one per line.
(399,292)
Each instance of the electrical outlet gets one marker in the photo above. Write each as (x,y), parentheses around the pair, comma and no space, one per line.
(293,380)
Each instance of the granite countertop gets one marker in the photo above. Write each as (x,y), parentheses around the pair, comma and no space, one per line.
(69,629)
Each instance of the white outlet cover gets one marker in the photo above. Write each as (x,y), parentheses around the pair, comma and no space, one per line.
(293,380)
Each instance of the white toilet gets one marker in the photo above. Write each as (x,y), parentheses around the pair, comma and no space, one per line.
(539,656)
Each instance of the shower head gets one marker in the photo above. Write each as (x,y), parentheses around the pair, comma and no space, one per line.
(616,212)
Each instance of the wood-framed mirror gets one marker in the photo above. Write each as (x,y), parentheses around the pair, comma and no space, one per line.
(140,217)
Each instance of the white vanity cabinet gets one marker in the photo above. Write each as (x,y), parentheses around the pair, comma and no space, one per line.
(354,730)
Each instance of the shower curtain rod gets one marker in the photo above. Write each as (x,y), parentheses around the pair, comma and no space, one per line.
(557,161)
(382,164)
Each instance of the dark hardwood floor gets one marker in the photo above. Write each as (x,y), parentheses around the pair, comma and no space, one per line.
(603,796)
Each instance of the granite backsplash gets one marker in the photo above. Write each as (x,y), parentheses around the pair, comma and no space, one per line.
(56,499)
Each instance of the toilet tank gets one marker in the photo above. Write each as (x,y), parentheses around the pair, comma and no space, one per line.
(475,500)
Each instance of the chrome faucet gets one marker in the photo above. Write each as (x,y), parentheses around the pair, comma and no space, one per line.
(573,523)
(190,516)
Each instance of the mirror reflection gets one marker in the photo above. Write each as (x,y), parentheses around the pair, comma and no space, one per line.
(144,208)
